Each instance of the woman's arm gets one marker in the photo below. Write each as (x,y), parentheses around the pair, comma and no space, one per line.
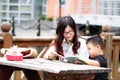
(49,54)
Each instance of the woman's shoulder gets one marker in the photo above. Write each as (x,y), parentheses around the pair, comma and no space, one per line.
(52,43)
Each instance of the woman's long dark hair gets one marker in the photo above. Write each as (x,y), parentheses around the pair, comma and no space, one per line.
(62,24)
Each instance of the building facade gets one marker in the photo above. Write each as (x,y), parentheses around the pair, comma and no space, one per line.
(97,7)
(22,10)
(95,12)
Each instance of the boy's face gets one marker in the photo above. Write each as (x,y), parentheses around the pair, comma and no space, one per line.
(92,49)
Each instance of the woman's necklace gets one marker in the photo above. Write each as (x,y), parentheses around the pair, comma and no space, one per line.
(69,44)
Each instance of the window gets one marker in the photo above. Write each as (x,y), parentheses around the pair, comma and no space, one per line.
(4,14)
(13,1)
(13,14)
(13,8)
(3,1)
(4,20)
(111,7)
(25,8)
(26,1)
(25,15)
(4,7)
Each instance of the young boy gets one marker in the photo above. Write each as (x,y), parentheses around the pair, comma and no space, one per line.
(95,47)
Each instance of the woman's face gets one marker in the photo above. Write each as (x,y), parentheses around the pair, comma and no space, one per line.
(68,33)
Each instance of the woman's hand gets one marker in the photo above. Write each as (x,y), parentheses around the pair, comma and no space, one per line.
(52,56)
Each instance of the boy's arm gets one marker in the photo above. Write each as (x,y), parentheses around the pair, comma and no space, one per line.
(93,62)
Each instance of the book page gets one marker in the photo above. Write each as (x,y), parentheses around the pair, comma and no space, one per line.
(75,59)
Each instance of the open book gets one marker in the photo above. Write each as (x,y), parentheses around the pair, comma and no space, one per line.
(75,59)
(72,59)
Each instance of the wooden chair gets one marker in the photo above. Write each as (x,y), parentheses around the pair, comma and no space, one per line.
(42,53)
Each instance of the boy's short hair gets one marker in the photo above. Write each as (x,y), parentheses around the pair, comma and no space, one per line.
(96,40)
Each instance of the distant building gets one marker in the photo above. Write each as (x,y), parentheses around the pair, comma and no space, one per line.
(97,7)
(22,10)
(95,12)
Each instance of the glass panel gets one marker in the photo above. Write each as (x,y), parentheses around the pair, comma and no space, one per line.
(119,4)
(25,15)
(4,14)
(118,12)
(105,11)
(13,1)
(103,7)
(13,14)
(44,1)
(13,8)
(4,20)
(3,1)
(22,21)
(4,7)
(25,8)
(114,11)
(26,1)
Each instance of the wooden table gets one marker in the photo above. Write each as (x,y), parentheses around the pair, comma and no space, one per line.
(55,70)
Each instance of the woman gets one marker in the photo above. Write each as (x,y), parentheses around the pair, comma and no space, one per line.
(67,43)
